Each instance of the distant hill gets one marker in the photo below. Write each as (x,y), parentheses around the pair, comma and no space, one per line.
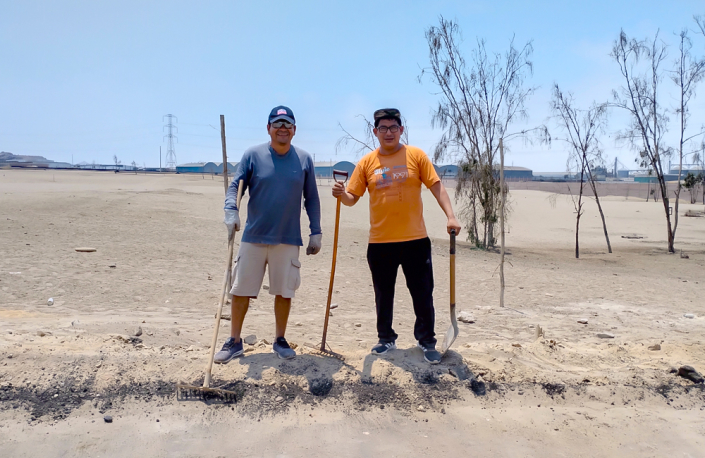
(9,157)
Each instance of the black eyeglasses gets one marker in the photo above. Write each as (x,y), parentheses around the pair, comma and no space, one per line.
(384,129)
(280,124)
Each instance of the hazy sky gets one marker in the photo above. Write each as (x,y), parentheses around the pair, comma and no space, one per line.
(91,79)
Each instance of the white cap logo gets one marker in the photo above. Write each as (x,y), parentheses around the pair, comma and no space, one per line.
(281,111)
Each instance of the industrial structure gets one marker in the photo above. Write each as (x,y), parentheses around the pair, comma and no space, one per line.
(170,153)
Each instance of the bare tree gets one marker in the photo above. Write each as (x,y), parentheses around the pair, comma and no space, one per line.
(581,128)
(700,21)
(640,98)
(480,101)
(367,142)
(688,73)
(115,159)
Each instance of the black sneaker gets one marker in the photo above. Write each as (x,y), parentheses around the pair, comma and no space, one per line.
(230,350)
(430,354)
(383,347)
(282,349)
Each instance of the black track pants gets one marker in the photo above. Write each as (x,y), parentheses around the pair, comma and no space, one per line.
(414,257)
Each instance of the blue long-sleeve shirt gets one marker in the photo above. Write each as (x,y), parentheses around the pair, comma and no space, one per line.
(275,184)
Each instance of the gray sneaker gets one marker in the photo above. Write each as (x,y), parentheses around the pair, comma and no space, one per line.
(383,347)
(230,350)
(430,354)
(282,349)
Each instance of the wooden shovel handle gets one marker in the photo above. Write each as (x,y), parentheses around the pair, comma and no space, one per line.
(452,267)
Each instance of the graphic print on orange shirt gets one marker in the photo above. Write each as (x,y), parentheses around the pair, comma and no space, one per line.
(394,182)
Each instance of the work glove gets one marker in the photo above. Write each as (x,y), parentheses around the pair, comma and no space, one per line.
(232,221)
(314,244)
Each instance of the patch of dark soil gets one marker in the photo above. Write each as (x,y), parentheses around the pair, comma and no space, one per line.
(664,389)
(478,387)
(320,386)
(63,397)
(553,389)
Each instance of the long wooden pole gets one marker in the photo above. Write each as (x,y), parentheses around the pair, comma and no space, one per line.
(332,274)
(501,223)
(225,154)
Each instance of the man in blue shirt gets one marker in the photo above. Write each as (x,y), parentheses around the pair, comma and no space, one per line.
(276,175)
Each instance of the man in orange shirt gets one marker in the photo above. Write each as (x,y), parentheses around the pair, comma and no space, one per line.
(393,174)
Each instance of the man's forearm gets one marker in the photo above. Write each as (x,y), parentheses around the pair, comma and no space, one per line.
(441,195)
(348,199)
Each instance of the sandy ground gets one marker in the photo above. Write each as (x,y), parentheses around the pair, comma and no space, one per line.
(501,391)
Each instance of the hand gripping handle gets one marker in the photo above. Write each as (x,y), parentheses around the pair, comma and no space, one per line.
(340,176)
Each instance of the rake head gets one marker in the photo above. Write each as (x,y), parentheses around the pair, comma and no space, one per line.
(327,352)
(208,395)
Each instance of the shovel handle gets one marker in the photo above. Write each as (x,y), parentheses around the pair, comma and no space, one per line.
(452,268)
(340,176)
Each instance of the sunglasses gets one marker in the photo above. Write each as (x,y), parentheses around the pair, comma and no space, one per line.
(280,124)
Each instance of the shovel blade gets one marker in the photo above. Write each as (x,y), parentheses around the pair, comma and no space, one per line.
(451,333)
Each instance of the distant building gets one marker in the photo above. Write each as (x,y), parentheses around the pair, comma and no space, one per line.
(518,173)
(510,173)
(206,167)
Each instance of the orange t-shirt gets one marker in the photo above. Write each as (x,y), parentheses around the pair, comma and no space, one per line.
(394,181)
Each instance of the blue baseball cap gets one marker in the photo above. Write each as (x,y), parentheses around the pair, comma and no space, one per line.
(281,112)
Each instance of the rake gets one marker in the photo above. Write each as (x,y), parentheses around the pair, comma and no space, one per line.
(339,177)
(206,393)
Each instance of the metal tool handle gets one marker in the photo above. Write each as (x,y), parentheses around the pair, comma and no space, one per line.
(340,176)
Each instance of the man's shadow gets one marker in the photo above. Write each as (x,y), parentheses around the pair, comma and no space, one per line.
(411,360)
(318,370)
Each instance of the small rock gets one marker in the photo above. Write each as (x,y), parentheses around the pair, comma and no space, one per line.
(421,409)
(41,333)
(279,399)
(518,345)
(333,306)
(177,332)
(250,340)
(605,335)
(9,356)
(465,317)
(688,372)
(583,321)
(108,419)
(459,372)
(100,363)
(358,325)
(330,313)
(299,324)
(50,301)
(137,332)
(689,315)
(266,342)
(293,345)
(266,287)
(656,347)
(112,266)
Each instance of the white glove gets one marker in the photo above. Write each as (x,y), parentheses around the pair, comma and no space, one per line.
(314,244)
(232,221)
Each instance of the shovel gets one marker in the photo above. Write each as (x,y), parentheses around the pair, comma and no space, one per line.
(339,177)
(452,331)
